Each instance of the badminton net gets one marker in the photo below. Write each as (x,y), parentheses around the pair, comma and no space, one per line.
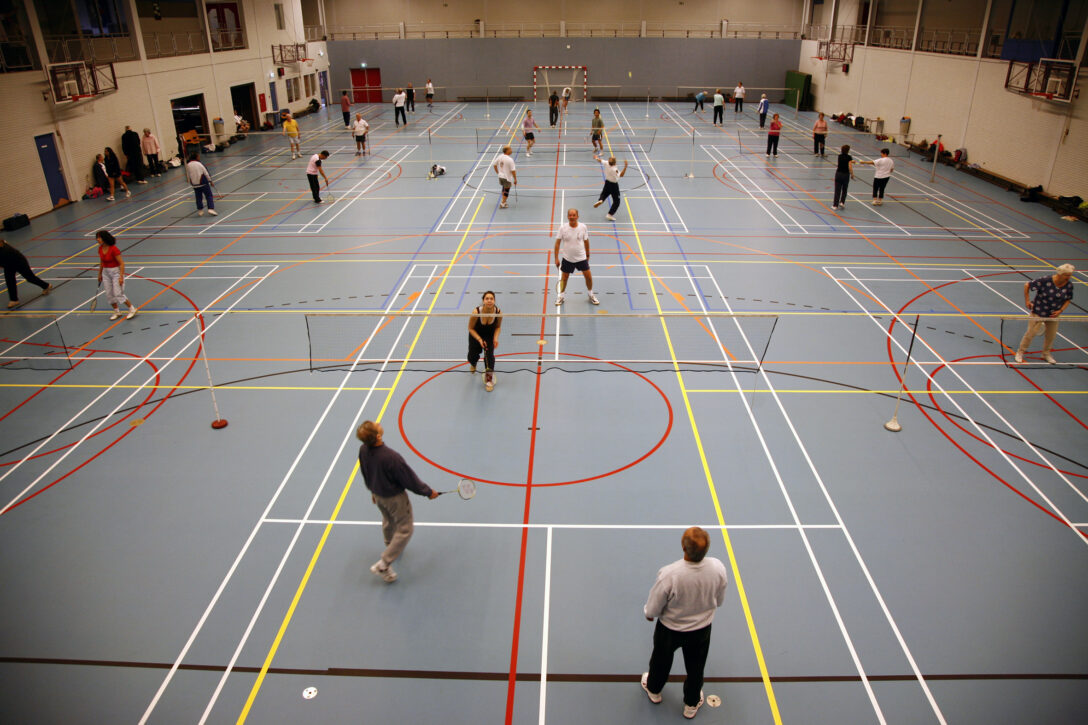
(706,341)
(573,136)
(33,342)
(1070,344)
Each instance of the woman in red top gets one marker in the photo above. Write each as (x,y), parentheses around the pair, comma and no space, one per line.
(772,135)
(112,268)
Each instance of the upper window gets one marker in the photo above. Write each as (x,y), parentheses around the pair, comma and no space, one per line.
(278,7)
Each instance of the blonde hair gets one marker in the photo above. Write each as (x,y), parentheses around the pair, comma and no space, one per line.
(1066,269)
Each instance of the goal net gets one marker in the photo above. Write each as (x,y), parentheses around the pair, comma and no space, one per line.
(548,78)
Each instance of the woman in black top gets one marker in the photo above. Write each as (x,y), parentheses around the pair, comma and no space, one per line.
(483,336)
(843,173)
(113,170)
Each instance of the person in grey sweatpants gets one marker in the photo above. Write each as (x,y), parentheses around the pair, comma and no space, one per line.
(388,476)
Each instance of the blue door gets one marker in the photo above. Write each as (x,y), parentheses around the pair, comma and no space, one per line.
(54,175)
(275,103)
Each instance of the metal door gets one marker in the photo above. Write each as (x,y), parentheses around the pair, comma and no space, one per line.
(54,174)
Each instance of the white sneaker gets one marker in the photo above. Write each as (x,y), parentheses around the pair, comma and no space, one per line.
(655,697)
(115,316)
(559,300)
(529,154)
(386,573)
(691,711)
(593,299)
(1049,358)
(502,206)
(200,212)
(1018,357)
(131,313)
(489,382)
(213,212)
(109,198)
(876,203)
(609,217)
(141,181)
(127,193)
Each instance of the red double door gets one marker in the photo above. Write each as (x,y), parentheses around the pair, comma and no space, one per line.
(366,85)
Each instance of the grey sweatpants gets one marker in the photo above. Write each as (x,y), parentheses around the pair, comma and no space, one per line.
(397,524)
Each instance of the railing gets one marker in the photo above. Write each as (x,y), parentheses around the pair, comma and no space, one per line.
(93,48)
(763,32)
(168,45)
(634,29)
(314,33)
(234,39)
(17,55)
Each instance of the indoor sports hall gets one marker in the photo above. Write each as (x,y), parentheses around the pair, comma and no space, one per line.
(830,390)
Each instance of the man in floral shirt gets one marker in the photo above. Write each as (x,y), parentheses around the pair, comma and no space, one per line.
(1053,294)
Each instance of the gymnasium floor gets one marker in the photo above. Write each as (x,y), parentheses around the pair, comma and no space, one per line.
(158,570)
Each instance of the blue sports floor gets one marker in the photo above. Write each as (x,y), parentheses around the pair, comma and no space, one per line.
(737,375)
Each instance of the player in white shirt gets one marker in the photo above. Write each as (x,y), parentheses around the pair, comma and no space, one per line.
(508,173)
(738,98)
(430,93)
(572,253)
(612,174)
(399,99)
(883,172)
(313,168)
(359,130)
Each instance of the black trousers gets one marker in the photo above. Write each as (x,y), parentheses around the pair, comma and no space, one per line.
(22,267)
(153,164)
(347,118)
(410,103)
(762,119)
(134,166)
(738,105)
(611,188)
(878,187)
(399,115)
(314,186)
(698,105)
(818,140)
(695,646)
(553,115)
(474,350)
(772,144)
(842,183)
(719,112)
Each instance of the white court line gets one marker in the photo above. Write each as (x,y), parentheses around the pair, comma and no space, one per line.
(618,527)
(442,120)
(664,187)
(952,399)
(996,228)
(334,461)
(466,184)
(679,120)
(874,210)
(136,389)
(752,185)
(253,534)
(1017,307)
(544,626)
(757,429)
(222,219)
(392,161)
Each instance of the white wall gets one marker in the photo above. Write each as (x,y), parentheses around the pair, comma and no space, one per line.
(145,89)
(965,100)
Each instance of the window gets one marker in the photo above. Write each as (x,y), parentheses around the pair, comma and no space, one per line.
(311,85)
(278,7)
(292,90)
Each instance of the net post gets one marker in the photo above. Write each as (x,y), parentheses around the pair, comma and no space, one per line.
(219,423)
(647,101)
(487,101)
(893,424)
(936,156)
(430,154)
(691,173)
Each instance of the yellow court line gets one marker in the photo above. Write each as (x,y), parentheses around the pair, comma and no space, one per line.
(344,493)
(713,494)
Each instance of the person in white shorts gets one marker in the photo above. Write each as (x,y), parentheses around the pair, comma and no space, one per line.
(882,173)
(572,253)
(508,173)
(359,130)
(566,97)
(527,126)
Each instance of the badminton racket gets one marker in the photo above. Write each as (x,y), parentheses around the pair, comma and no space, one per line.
(466,489)
(94,300)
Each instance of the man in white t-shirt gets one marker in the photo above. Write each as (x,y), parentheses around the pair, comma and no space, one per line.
(359,130)
(612,174)
(399,99)
(430,93)
(202,184)
(313,168)
(883,171)
(508,173)
(738,98)
(572,253)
